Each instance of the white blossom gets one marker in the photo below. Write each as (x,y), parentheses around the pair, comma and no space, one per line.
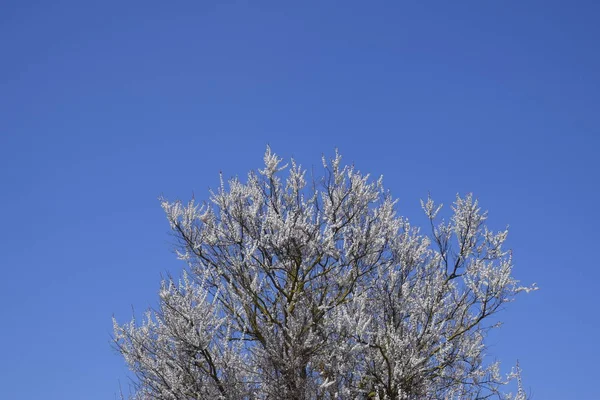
(321,291)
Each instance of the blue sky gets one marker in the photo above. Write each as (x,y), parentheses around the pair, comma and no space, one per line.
(105,106)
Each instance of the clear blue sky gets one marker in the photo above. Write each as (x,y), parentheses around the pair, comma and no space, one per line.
(104,106)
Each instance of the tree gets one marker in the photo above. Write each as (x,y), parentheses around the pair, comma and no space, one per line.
(318,290)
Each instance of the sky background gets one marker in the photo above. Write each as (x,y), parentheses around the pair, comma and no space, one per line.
(105,106)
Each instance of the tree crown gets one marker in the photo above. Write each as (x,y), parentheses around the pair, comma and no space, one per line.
(318,290)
